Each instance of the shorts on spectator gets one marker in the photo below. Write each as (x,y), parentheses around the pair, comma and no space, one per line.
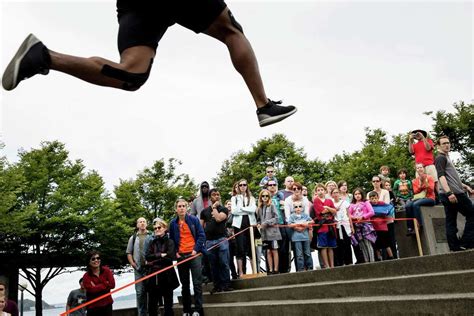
(325,241)
(270,244)
(383,239)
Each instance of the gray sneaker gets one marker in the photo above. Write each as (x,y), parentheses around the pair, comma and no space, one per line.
(31,58)
(273,112)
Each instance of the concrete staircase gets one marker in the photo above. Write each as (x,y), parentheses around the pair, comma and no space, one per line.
(438,284)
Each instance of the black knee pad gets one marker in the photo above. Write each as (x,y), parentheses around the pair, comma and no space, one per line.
(235,23)
(131,81)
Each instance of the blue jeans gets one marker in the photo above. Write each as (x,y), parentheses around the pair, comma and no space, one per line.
(219,260)
(465,207)
(141,293)
(413,210)
(303,255)
(195,268)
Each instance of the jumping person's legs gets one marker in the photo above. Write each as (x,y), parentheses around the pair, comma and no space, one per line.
(241,54)
(138,37)
(129,74)
(227,30)
(213,18)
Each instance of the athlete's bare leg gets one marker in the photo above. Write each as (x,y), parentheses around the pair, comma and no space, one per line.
(241,53)
(134,60)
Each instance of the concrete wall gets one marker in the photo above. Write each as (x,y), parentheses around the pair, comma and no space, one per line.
(433,235)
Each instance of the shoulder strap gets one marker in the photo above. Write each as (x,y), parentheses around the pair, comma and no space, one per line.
(133,241)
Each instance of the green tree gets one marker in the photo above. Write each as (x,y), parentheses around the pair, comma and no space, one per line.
(60,211)
(459,127)
(358,167)
(277,151)
(154,191)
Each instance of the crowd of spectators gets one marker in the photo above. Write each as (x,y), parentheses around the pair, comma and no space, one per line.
(281,227)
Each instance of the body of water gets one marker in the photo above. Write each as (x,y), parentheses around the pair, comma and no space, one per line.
(58,311)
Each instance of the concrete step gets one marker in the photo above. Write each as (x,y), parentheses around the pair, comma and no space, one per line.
(407,266)
(419,284)
(432,304)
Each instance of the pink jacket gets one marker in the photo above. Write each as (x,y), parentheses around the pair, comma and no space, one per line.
(361,209)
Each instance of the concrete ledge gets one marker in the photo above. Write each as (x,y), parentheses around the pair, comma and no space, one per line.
(433,283)
(445,304)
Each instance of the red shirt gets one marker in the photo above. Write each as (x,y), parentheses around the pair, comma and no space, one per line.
(422,155)
(380,222)
(102,285)
(318,206)
(428,185)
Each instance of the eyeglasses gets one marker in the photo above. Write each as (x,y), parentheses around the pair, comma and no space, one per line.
(242,184)
(95,259)
(297,206)
(296,189)
(265,195)
(271,185)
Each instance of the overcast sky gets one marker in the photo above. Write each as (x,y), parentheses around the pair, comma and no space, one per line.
(345,65)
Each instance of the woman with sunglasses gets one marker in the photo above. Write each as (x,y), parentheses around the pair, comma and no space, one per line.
(297,196)
(98,280)
(384,195)
(267,217)
(160,254)
(243,215)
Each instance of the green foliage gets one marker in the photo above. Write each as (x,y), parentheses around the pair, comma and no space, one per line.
(359,167)
(50,205)
(459,127)
(276,151)
(153,192)
(356,168)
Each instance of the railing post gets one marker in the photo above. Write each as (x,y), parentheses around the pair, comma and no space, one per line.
(252,246)
(418,240)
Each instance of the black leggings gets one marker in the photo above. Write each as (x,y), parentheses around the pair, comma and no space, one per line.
(243,240)
(153,297)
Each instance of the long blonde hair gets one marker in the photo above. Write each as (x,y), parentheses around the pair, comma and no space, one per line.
(260,200)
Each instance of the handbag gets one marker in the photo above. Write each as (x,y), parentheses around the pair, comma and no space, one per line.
(420,195)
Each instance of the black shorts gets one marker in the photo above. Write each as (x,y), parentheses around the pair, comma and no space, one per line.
(383,240)
(144,22)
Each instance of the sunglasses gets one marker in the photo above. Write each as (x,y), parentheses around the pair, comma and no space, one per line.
(265,195)
(296,189)
(375,180)
(158,227)
(95,259)
(242,184)
(271,185)
(297,206)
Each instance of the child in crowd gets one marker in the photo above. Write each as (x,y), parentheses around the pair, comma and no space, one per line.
(360,210)
(267,217)
(343,252)
(403,189)
(3,302)
(388,186)
(344,191)
(270,175)
(325,210)
(380,225)
(299,222)
(384,173)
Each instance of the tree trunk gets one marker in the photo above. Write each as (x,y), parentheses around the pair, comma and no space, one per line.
(38,293)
